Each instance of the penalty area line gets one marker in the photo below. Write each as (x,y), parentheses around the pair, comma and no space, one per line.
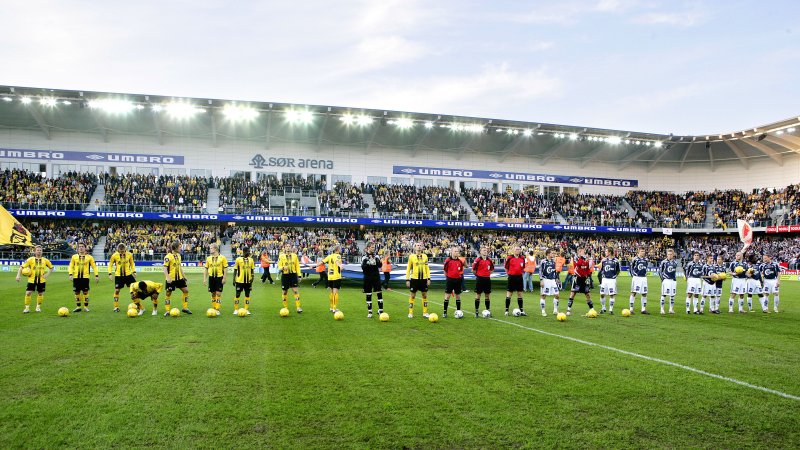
(644,357)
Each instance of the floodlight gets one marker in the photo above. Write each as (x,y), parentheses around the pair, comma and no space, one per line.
(790,130)
(614,140)
(48,101)
(404,123)
(527,133)
(364,120)
(573,136)
(304,117)
(110,105)
(429,125)
(7,99)
(347,119)
(657,144)
(182,110)
(25,100)
(235,113)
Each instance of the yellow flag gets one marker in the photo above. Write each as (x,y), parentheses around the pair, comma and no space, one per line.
(11,231)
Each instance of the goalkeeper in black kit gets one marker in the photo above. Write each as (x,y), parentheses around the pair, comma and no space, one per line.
(371,267)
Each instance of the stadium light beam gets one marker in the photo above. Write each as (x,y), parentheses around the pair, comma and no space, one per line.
(614,140)
(790,130)
(236,113)
(112,106)
(404,123)
(181,110)
(7,99)
(302,117)
(573,136)
(428,125)
(657,144)
(48,101)
(348,119)
(527,133)
(26,100)
(364,121)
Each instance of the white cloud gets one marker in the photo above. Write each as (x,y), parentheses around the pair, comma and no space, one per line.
(569,12)
(678,19)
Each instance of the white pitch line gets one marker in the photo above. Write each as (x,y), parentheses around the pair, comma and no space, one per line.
(644,357)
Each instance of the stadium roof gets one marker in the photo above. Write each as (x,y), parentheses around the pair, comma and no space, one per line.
(53,111)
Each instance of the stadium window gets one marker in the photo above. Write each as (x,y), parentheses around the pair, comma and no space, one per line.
(423,182)
(401,181)
(468,185)
(570,190)
(174,172)
(552,190)
(376,180)
(266,175)
(489,185)
(533,189)
(510,187)
(341,179)
(443,183)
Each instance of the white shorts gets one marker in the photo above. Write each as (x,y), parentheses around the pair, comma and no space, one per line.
(709,290)
(694,286)
(753,287)
(639,285)
(548,287)
(770,287)
(608,286)
(739,286)
(669,287)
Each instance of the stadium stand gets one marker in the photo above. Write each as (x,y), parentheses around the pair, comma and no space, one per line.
(310,242)
(155,193)
(344,199)
(149,241)
(430,202)
(529,207)
(25,189)
(61,237)
(669,209)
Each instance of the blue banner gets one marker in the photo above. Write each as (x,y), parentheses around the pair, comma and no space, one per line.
(498,175)
(313,220)
(98,157)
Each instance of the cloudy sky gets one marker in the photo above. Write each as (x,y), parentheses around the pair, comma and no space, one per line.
(688,67)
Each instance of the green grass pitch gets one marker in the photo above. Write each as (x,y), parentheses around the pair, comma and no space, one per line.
(100,379)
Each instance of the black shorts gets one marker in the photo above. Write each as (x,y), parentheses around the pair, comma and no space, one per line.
(38,287)
(483,285)
(453,286)
(141,295)
(580,285)
(514,283)
(80,285)
(335,284)
(215,284)
(418,285)
(121,282)
(176,284)
(372,284)
(246,287)
(288,281)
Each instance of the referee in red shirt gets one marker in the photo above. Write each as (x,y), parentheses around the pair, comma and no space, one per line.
(515,266)
(454,272)
(482,267)
(583,270)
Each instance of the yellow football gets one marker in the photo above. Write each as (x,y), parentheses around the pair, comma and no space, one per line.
(626,313)
(433,318)
(132,306)
(384,317)
(63,311)
(242,312)
(561,317)
(739,269)
(133,312)
(592,313)
(26,271)
(722,276)
(714,277)
(174,312)
(211,312)
(284,312)
(338,315)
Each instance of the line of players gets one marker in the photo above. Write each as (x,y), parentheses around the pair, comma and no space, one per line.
(704,280)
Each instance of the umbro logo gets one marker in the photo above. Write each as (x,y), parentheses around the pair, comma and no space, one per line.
(496,175)
(95,157)
(576,180)
(87,214)
(408,170)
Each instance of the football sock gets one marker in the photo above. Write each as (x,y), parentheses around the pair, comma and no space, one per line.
(285,300)
(688,304)
(236,303)
(166,303)
(297,301)
(330,299)
(185,299)
(487,303)
(541,304)
(138,303)
(644,303)
(508,303)
(424,306)
(155,305)
(116,301)
(477,303)
(611,303)
(86,300)
(247,303)
(519,303)
(632,301)
(765,302)
(776,301)
(591,305)
(28,300)
(702,303)
(555,303)
(694,303)
(369,301)
(730,303)
(39,299)
(336,300)
(380,301)
(671,302)
(411,305)
(602,302)
(217,303)
(749,302)
(78,300)
(662,302)
(446,303)
(569,303)
(741,304)
(458,303)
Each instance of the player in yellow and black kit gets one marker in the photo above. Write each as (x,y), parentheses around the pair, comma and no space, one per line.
(418,278)
(79,266)
(243,273)
(146,289)
(40,268)
(289,267)
(334,264)
(215,273)
(175,278)
(122,270)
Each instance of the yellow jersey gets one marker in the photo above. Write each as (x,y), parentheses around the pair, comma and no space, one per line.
(288,263)
(173,264)
(417,268)
(217,266)
(79,266)
(243,268)
(37,266)
(152,288)
(332,261)
(120,265)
